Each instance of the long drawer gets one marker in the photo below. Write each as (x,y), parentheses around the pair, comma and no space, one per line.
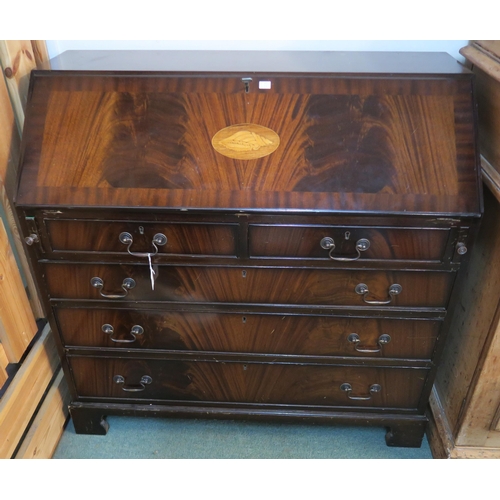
(249,285)
(227,382)
(247,333)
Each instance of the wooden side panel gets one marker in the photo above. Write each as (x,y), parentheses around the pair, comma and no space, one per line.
(17,60)
(488,102)
(46,430)
(479,423)
(479,57)
(473,317)
(491,177)
(9,145)
(24,394)
(492,46)
(19,325)
(40,52)
(441,437)
(9,159)
(437,430)
(3,364)
(484,56)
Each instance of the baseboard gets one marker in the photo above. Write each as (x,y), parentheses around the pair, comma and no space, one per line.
(439,432)
(440,436)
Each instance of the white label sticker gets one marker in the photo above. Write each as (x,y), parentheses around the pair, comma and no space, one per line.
(266,85)
(151,273)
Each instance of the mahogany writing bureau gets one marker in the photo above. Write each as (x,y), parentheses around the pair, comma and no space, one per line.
(272,235)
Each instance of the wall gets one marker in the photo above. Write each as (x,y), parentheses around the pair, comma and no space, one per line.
(55,47)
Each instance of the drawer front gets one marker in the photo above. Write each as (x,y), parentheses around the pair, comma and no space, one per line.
(262,383)
(247,333)
(78,236)
(249,285)
(347,243)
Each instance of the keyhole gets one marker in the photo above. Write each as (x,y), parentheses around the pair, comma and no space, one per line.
(141,230)
(245,367)
(244,319)
(246,82)
(347,235)
(244,274)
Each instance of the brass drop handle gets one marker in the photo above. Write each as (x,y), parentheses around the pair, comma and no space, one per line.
(128,283)
(159,239)
(348,388)
(135,330)
(394,290)
(361,246)
(145,380)
(382,340)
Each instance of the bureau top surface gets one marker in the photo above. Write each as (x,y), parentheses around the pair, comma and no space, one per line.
(252,131)
(258,61)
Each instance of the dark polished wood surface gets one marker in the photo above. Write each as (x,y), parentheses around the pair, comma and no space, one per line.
(251,314)
(302,62)
(221,237)
(346,144)
(249,285)
(385,243)
(247,383)
(104,237)
(248,333)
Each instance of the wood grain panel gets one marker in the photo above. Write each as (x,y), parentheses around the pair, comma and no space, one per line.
(74,236)
(25,392)
(46,430)
(237,285)
(488,102)
(472,320)
(3,365)
(41,53)
(246,333)
(10,143)
(247,383)
(122,142)
(17,325)
(9,160)
(18,61)
(385,243)
(114,140)
(480,423)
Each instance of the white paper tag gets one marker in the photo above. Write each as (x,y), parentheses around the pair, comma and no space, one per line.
(264,84)
(151,273)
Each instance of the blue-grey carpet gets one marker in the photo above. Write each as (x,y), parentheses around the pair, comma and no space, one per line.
(139,438)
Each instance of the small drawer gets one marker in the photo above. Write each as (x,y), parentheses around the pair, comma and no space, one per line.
(139,238)
(220,381)
(346,244)
(192,284)
(247,333)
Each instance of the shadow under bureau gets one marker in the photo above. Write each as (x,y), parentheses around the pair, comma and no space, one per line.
(272,235)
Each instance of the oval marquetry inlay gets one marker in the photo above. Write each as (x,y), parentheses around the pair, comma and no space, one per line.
(245,141)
